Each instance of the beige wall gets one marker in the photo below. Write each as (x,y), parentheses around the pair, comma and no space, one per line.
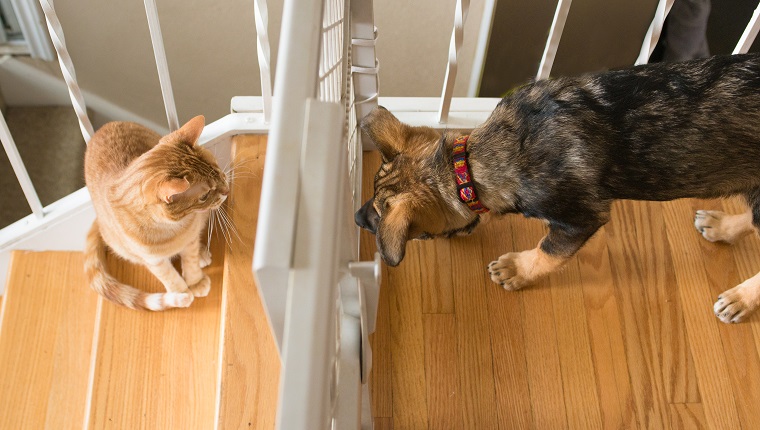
(210,48)
(211,51)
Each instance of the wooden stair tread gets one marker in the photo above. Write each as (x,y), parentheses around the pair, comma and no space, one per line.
(46,330)
(157,369)
(250,363)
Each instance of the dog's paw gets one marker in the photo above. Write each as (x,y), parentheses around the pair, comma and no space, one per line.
(202,287)
(717,226)
(205,257)
(506,272)
(736,304)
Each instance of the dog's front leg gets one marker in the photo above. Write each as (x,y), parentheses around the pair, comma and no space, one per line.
(516,270)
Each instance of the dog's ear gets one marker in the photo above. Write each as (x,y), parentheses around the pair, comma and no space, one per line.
(388,133)
(393,232)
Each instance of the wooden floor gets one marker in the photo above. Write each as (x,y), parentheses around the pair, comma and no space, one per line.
(623,338)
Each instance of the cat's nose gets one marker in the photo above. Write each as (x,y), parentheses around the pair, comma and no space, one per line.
(224,191)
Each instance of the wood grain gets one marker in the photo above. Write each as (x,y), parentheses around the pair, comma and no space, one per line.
(737,339)
(704,334)
(381,381)
(249,366)
(542,357)
(442,375)
(605,335)
(46,330)
(632,277)
(437,286)
(507,347)
(147,363)
(407,344)
(687,416)
(476,380)
(622,337)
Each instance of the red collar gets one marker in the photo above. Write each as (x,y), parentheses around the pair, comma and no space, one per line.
(465,186)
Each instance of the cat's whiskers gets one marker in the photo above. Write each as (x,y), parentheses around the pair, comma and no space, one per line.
(227,226)
(210,230)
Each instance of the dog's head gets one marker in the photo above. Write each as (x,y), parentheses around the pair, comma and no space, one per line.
(415,189)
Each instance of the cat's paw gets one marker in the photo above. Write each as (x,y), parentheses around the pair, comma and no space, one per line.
(205,257)
(202,287)
(178,300)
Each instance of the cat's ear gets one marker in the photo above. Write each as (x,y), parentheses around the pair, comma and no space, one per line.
(169,189)
(191,131)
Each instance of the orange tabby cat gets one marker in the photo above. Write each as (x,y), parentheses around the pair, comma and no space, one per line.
(152,197)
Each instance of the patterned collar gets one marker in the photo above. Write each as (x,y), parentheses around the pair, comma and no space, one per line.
(465,186)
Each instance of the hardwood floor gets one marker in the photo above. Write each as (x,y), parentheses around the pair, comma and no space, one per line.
(623,337)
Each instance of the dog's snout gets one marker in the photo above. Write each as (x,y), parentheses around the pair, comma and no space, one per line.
(366,217)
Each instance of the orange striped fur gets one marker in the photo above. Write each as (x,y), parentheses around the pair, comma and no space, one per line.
(152,197)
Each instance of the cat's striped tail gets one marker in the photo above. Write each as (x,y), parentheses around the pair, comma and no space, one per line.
(116,292)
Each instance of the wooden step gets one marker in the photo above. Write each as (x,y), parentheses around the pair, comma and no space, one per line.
(250,364)
(70,359)
(156,369)
(46,330)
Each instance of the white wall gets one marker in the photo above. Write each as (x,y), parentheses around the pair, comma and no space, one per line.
(211,50)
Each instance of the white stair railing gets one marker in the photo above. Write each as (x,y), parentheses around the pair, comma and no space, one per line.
(654,31)
(745,41)
(19,169)
(67,68)
(261,17)
(552,43)
(162,65)
(457,35)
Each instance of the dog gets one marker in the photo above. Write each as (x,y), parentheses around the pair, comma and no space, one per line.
(562,150)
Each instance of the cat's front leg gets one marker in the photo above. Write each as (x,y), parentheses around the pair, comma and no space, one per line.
(198,282)
(165,272)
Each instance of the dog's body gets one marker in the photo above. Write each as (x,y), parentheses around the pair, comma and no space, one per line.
(562,150)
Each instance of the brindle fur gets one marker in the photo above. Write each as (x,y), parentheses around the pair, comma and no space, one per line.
(562,150)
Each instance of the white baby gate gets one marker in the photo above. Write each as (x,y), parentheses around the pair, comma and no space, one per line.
(321,301)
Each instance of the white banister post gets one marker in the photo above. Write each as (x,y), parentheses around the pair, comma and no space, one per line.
(552,43)
(457,34)
(749,33)
(67,68)
(19,169)
(486,22)
(654,31)
(161,64)
(261,16)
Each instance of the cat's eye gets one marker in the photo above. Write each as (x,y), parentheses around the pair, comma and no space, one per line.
(204,197)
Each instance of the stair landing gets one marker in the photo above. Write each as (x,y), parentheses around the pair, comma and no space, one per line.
(69,359)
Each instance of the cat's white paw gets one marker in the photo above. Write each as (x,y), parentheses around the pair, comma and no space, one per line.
(202,287)
(205,257)
(178,300)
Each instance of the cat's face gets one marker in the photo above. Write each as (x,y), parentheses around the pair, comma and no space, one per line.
(188,178)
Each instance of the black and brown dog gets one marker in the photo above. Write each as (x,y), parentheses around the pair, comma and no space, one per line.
(563,149)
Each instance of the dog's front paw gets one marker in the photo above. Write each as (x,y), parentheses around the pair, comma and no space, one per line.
(736,304)
(506,272)
(717,226)
(202,287)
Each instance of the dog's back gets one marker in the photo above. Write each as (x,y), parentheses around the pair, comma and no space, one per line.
(654,132)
